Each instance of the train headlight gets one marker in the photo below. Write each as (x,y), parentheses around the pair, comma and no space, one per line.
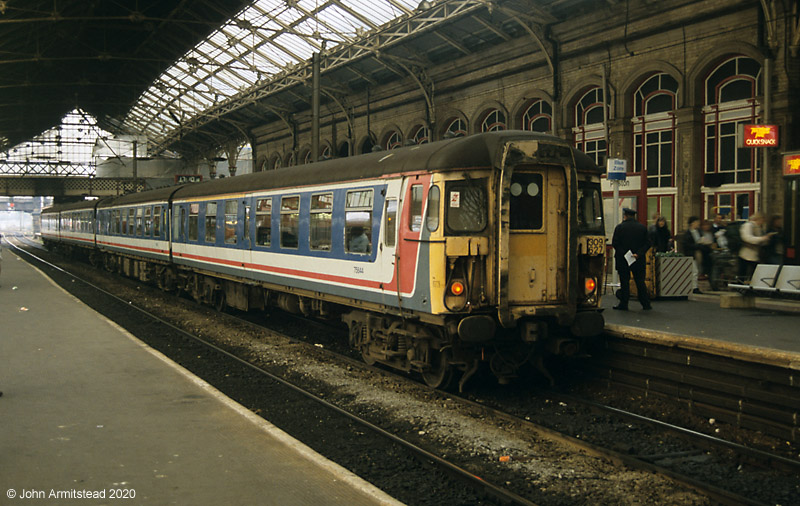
(589,284)
(457,288)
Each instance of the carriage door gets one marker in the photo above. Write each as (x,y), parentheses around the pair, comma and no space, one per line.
(537,262)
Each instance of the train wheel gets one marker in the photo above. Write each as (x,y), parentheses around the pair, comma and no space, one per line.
(440,374)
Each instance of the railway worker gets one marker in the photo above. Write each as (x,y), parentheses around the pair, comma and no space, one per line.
(630,244)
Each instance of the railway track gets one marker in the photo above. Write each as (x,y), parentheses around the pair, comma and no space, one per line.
(699,450)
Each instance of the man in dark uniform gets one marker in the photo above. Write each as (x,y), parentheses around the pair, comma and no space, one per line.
(631,236)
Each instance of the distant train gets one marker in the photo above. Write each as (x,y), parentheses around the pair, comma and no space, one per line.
(439,257)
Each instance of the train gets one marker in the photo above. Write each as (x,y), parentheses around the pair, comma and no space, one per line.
(441,258)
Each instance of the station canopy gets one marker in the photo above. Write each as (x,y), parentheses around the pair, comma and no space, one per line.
(263,40)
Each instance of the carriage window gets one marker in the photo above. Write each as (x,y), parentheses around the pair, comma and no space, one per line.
(415,221)
(231,221)
(263,222)
(157,221)
(194,221)
(117,227)
(391,222)
(466,206)
(131,222)
(320,221)
(139,213)
(290,221)
(211,222)
(358,221)
(148,221)
(432,214)
(526,210)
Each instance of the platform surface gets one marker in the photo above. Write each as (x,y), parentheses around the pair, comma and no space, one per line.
(87,408)
(773,328)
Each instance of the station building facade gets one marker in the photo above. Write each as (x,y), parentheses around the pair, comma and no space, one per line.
(665,85)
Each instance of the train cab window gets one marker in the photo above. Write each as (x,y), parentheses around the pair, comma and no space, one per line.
(590,207)
(320,221)
(194,221)
(390,223)
(264,222)
(231,221)
(290,221)
(526,209)
(157,221)
(466,206)
(211,222)
(432,214)
(148,221)
(415,218)
(358,222)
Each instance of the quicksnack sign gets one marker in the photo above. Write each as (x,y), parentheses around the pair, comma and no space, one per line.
(760,136)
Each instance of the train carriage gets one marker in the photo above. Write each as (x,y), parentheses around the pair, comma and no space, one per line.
(70,225)
(439,257)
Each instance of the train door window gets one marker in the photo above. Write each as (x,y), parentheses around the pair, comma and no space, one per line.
(466,206)
(124,214)
(117,221)
(157,221)
(358,221)
(211,222)
(432,214)
(527,205)
(131,221)
(194,221)
(264,222)
(139,215)
(321,218)
(231,221)
(415,218)
(246,211)
(290,221)
(390,225)
(148,221)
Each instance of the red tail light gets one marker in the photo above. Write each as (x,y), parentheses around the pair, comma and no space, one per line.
(457,288)
(590,284)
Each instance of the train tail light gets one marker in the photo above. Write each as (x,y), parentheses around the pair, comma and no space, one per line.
(589,285)
(457,288)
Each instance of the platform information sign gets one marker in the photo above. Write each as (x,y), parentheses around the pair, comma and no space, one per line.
(616,169)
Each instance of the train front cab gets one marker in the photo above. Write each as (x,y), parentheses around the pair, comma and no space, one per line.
(524,282)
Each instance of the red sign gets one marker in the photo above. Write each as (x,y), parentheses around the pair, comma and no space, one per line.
(791,165)
(760,136)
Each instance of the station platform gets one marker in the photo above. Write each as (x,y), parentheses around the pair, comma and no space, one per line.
(91,415)
(768,333)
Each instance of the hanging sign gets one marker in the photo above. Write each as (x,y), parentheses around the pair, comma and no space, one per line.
(791,165)
(760,136)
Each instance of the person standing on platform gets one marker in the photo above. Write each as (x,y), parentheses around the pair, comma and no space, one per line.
(753,238)
(660,236)
(630,244)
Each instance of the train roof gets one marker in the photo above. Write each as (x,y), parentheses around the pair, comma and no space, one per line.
(478,151)
(85,205)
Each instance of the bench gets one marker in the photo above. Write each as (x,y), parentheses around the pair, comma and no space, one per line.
(770,279)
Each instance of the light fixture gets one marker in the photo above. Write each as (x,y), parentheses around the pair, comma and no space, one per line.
(424,5)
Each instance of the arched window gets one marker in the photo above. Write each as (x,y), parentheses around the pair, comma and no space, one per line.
(277,163)
(493,120)
(654,130)
(538,117)
(730,101)
(456,127)
(291,161)
(324,154)
(421,135)
(393,140)
(589,132)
